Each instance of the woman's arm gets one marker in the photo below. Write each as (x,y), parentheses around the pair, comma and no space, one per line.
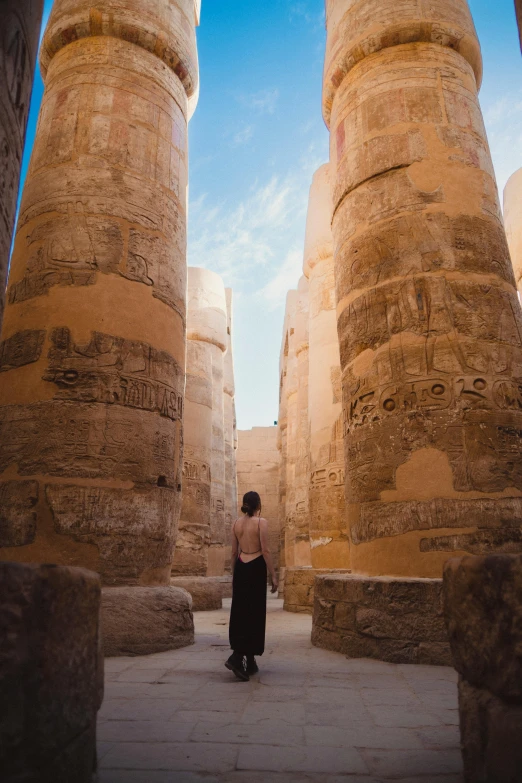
(235,548)
(265,548)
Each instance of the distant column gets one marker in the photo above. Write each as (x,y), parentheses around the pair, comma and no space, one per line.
(191,554)
(302,555)
(513,223)
(290,390)
(93,340)
(328,533)
(429,322)
(230,430)
(20,22)
(209,325)
(518,9)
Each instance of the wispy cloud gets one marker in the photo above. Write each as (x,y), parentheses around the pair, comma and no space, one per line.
(262,102)
(302,12)
(243,136)
(256,243)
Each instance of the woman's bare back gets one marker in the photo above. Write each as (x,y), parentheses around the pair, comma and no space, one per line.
(248,535)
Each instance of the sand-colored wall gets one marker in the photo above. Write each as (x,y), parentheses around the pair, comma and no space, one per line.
(20,22)
(91,397)
(429,321)
(258,462)
(230,431)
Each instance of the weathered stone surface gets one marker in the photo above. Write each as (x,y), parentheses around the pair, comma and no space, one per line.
(93,339)
(206,591)
(395,620)
(258,470)
(145,620)
(20,25)
(299,587)
(429,321)
(483,609)
(17,512)
(490,736)
(51,678)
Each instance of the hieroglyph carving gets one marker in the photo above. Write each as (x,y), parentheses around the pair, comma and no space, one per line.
(112,370)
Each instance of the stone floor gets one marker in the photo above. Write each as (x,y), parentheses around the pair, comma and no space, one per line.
(310,715)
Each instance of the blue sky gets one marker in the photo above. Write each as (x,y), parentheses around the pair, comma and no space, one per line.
(257,137)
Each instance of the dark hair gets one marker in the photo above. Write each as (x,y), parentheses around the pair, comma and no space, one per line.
(251,503)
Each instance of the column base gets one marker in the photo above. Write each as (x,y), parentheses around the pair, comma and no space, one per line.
(206,591)
(145,620)
(398,620)
(299,584)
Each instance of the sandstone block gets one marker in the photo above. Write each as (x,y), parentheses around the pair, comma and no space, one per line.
(51,677)
(483,609)
(490,731)
(299,585)
(395,620)
(145,620)
(206,591)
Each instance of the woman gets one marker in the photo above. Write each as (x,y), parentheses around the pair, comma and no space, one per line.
(250,559)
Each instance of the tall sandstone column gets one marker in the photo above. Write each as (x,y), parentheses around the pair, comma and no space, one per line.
(230,433)
(302,556)
(20,29)
(290,389)
(209,325)
(428,317)
(191,554)
(328,535)
(513,223)
(93,350)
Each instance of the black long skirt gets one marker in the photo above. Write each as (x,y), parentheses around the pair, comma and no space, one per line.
(248,613)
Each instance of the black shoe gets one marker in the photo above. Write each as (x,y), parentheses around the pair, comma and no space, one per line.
(236,664)
(251,667)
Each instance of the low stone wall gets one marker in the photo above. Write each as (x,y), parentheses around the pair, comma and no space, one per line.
(390,619)
(483,608)
(145,620)
(51,673)
(299,585)
(206,591)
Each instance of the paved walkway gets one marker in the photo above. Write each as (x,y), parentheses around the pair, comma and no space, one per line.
(310,715)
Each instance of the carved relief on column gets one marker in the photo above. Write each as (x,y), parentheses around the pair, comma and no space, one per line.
(328,535)
(20,22)
(93,340)
(429,321)
(209,325)
(513,223)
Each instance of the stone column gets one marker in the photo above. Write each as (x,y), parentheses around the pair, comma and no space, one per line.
(290,389)
(302,556)
(328,535)
(209,325)
(230,433)
(20,29)
(191,554)
(518,9)
(513,223)
(429,321)
(93,350)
